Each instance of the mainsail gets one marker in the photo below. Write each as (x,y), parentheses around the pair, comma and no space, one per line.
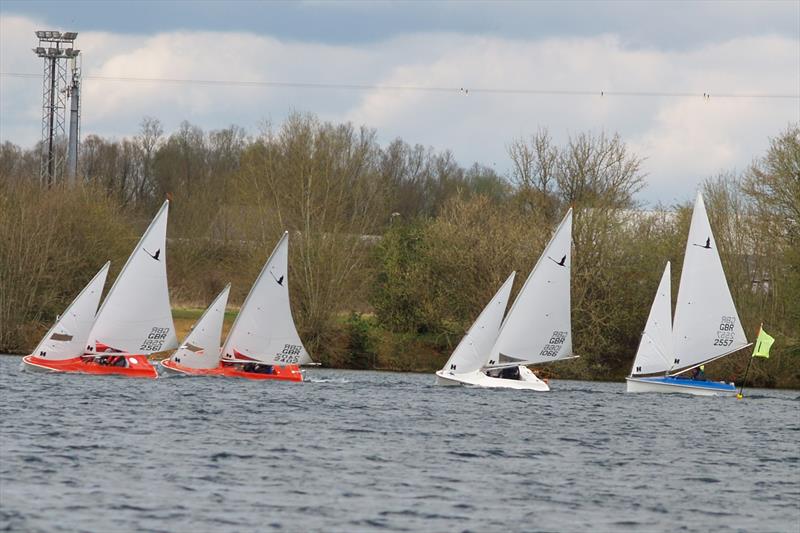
(538,327)
(201,347)
(67,338)
(470,354)
(136,316)
(264,330)
(656,352)
(706,323)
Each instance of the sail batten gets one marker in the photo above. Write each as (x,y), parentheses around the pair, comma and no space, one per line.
(538,327)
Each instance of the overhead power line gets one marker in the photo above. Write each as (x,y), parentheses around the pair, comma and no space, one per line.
(419,88)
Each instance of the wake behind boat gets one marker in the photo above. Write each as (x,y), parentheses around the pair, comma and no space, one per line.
(134,321)
(706,327)
(495,353)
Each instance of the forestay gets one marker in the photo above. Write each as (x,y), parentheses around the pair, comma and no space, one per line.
(264,329)
(201,348)
(67,338)
(656,352)
(470,354)
(538,327)
(136,316)
(706,323)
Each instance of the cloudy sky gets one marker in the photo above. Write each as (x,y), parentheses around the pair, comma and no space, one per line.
(399,67)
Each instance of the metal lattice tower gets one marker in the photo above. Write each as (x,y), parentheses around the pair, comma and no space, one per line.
(57,50)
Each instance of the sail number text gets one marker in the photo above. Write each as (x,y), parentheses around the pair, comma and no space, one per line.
(725,333)
(155,340)
(552,348)
(290,354)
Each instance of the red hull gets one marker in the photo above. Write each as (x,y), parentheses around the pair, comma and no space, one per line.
(280,373)
(137,366)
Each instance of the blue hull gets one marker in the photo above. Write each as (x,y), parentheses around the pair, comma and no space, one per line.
(684,385)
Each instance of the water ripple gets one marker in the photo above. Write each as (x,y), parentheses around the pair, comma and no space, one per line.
(369,451)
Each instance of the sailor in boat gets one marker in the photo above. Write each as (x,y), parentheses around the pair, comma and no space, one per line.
(511,372)
(257,368)
(699,373)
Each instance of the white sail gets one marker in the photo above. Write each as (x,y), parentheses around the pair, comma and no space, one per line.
(67,338)
(656,352)
(538,327)
(470,354)
(264,330)
(201,348)
(136,316)
(706,323)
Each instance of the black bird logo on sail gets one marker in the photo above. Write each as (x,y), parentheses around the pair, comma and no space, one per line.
(707,245)
(155,255)
(559,263)
(279,280)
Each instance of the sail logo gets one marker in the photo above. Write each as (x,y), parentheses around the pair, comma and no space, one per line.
(707,245)
(279,280)
(559,263)
(155,255)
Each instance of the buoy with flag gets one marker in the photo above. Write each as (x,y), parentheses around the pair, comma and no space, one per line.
(761,349)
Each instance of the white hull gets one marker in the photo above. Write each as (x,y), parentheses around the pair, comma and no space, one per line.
(167,371)
(527,381)
(638,385)
(33,367)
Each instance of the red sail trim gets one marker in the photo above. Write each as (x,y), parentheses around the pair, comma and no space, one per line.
(99,347)
(239,355)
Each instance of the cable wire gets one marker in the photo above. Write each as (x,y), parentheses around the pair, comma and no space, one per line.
(418,88)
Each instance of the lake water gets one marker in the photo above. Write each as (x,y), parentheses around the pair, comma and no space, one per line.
(363,451)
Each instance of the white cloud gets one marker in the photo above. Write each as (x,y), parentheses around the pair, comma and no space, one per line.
(684,139)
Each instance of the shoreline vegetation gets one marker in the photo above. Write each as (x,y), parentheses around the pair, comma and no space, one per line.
(395,249)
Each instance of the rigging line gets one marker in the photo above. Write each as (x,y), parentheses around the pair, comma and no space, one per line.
(417,88)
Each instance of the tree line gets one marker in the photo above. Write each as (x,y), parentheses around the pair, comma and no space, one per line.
(395,249)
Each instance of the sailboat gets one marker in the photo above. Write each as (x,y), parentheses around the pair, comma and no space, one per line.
(199,353)
(537,329)
(263,342)
(706,326)
(62,347)
(135,319)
